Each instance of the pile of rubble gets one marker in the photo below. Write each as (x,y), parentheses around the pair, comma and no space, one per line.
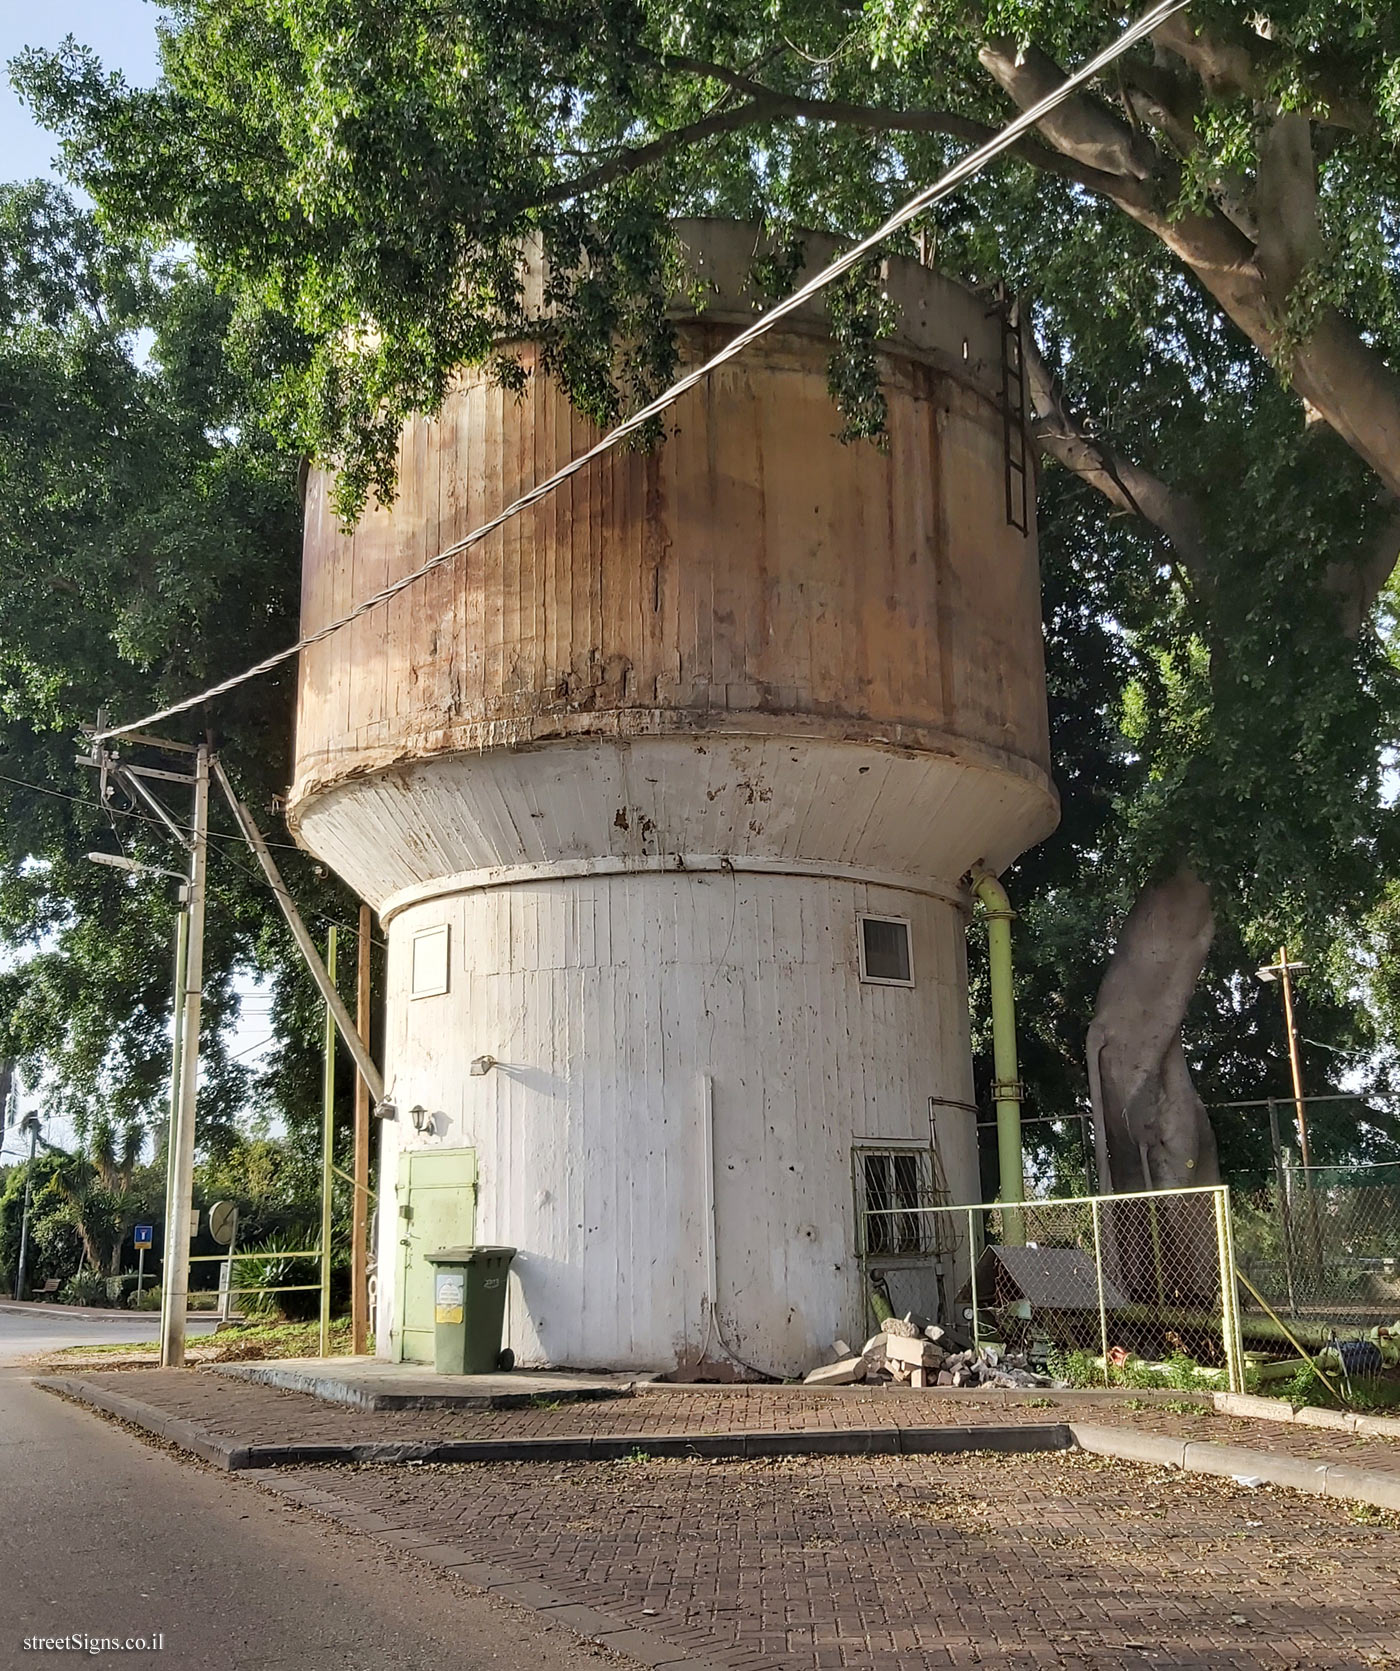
(925,1356)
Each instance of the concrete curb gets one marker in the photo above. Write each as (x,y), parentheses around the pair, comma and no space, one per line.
(1256,1408)
(737,1447)
(1381,1488)
(209,1447)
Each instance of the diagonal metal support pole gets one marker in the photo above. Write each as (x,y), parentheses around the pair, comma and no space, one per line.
(307,946)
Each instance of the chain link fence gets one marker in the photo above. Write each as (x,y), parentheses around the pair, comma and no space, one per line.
(1322,1245)
(1115,1279)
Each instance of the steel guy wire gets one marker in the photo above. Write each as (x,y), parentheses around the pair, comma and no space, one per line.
(965,169)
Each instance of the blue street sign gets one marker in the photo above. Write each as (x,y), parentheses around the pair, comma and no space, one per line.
(143,1234)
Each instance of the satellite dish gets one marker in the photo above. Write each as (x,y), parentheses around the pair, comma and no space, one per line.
(223,1221)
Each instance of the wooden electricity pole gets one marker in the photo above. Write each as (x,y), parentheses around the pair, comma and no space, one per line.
(359,1209)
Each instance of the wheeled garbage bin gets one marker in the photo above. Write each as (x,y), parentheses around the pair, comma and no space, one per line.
(469,1309)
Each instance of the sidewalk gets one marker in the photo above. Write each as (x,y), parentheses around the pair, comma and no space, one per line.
(795,1529)
(242,1424)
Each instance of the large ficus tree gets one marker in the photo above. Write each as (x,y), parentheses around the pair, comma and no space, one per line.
(149,534)
(1204,249)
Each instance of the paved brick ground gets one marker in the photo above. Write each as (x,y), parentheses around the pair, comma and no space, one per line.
(247,1413)
(1065,1561)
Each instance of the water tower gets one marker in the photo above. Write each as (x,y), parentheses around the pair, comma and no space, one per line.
(664,795)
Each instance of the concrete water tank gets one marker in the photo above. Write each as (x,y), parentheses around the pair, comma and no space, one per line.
(664,794)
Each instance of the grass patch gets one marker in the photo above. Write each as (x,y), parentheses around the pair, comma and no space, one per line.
(238,1343)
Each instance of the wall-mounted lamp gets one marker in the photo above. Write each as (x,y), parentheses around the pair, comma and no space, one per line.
(386,1110)
(481,1066)
(422,1119)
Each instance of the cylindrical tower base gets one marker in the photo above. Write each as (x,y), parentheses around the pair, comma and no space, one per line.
(668,1050)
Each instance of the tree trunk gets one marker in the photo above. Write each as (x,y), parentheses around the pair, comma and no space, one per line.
(1151,1127)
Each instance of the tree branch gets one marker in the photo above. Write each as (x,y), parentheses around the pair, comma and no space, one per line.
(1081,127)
(778,105)
(1290,237)
(1242,67)
(1360,583)
(631,158)
(1342,377)
(1122,482)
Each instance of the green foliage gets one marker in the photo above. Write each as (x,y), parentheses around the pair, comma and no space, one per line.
(149,538)
(84,1288)
(147,1300)
(270,1266)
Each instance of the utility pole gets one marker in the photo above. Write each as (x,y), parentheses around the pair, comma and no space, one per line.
(1282,972)
(29,1123)
(177,1027)
(175,1277)
(359,1204)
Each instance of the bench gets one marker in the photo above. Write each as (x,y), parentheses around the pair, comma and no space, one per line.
(49,1289)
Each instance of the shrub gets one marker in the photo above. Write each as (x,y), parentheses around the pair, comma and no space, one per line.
(270,1266)
(147,1300)
(84,1288)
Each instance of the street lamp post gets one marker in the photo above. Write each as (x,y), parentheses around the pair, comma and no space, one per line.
(189,976)
(29,1123)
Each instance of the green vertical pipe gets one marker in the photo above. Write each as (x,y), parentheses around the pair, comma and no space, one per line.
(327,1154)
(1006,1080)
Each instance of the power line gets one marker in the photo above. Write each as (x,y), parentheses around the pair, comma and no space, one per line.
(963,170)
(234,841)
(140,817)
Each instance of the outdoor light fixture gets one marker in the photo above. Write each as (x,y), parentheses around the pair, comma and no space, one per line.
(481,1066)
(386,1110)
(422,1119)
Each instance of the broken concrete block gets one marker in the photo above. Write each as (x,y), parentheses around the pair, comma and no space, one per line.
(841,1374)
(876,1343)
(841,1349)
(902,1349)
(933,1332)
(944,1378)
(900,1326)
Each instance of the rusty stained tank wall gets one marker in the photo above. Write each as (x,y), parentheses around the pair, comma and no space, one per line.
(753,575)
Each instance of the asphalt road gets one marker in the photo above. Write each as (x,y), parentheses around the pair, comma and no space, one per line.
(27,1329)
(103,1535)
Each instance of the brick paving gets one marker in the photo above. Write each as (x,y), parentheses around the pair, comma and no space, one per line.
(849,1564)
(247,1413)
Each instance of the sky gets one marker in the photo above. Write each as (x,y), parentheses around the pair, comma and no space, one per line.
(122,33)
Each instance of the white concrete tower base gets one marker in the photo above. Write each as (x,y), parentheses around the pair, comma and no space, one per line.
(675,1050)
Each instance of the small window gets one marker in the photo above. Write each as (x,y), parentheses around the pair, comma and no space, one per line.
(884,951)
(429,972)
(893,1185)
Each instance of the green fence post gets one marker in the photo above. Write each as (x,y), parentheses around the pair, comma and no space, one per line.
(972,1259)
(1098,1275)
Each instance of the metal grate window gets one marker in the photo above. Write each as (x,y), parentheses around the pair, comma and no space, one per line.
(892,1185)
(884,951)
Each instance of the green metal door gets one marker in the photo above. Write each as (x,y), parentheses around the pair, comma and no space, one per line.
(437,1208)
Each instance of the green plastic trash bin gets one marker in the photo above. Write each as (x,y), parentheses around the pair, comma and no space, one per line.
(469,1309)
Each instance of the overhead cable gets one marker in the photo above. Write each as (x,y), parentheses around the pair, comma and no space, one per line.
(965,169)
